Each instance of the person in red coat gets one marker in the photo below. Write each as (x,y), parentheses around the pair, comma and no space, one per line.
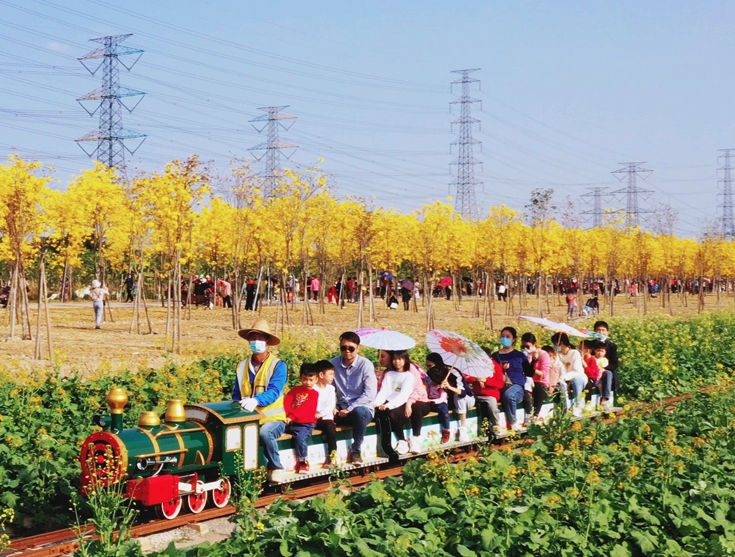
(487,395)
(300,404)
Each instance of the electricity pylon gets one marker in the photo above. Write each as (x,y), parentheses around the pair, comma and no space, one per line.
(111,136)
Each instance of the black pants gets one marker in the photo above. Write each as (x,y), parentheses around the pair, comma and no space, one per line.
(130,295)
(418,411)
(227,301)
(527,403)
(329,434)
(390,421)
(540,394)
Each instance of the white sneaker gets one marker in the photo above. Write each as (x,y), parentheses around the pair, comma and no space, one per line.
(415,444)
(516,427)
(277,476)
(464,435)
(401,447)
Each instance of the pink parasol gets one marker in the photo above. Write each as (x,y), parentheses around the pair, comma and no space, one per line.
(385,339)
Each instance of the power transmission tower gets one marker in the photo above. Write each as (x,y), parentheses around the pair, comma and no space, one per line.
(272,147)
(632,191)
(728,220)
(596,213)
(111,136)
(466,202)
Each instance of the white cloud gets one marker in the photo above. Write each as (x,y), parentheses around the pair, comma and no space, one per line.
(57,47)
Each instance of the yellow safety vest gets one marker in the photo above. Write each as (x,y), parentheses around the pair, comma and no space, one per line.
(272,412)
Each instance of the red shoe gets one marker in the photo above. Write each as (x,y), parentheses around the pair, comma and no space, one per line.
(302,467)
(446,435)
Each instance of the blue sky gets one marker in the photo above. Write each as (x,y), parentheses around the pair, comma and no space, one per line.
(569,90)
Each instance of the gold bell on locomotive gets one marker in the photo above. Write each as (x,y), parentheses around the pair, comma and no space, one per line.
(175,411)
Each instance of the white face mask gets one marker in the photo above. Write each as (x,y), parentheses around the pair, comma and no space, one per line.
(257,346)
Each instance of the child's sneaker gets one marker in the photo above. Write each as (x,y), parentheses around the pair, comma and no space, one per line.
(515,427)
(464,435)
(416,444)
(302,467)
(446,434)
(402,447)
(328,464)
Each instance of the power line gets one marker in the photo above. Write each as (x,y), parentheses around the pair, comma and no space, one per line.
(466,203)
(632,191)
(111,136)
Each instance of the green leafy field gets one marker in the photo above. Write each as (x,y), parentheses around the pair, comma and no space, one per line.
(45,418)
(662,484)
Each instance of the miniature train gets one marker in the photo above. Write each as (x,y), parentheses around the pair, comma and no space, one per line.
(190,455)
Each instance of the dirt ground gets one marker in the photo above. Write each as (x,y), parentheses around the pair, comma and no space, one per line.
(82,348)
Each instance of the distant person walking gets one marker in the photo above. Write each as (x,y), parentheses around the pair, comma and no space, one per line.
(97,295)
(315,287)
(250,295)
(129,282)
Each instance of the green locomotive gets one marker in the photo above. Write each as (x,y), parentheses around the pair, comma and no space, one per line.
(184,457)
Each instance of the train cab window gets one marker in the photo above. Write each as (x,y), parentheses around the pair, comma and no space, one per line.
(250,452)
(233,438)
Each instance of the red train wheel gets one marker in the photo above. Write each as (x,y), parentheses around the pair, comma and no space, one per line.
(170,509)
(197,501)
(221,496)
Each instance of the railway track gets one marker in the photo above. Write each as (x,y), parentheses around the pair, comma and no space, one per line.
(63,542)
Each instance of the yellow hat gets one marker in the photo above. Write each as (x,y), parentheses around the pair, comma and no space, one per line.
(261,326)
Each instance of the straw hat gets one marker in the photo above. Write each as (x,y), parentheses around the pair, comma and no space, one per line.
(261,326)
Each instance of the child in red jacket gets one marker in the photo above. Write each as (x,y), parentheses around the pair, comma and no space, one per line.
(300,404)
(589,362)
(487,396)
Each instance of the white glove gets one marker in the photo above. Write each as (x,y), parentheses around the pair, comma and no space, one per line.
(248,404)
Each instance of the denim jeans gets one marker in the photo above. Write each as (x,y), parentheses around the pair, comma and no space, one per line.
(299,434)
(579,382)
(605,385)
(269,434)
(512,397)
(443,410)
(358,418)
(99,311)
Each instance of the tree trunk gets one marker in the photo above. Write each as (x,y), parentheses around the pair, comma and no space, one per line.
(430,307)
(13,295)
(25,314)
(361,299)
(256,302)
(141,289)
(44,281)
(371,295)
(63,288)
(37,353)
(168,334)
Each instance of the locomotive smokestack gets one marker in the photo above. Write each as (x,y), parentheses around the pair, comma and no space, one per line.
(116,399)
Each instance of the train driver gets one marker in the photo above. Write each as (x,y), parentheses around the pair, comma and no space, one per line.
(259,383)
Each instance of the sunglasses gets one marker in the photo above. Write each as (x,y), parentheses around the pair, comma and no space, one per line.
(345,348)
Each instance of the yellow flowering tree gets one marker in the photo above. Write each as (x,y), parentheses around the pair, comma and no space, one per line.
(23,194)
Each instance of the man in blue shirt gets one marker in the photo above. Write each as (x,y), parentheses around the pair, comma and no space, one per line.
(357,387)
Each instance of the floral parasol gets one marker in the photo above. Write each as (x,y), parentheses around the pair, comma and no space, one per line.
(458,352)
